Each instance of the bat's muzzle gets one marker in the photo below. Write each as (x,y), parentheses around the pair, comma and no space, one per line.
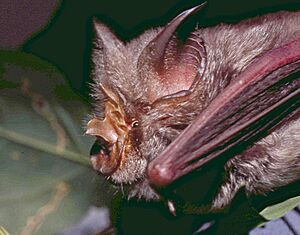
(112,141)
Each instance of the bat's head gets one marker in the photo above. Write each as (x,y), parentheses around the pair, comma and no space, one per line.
(140,91)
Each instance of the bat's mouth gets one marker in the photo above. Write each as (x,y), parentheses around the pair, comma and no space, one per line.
(103,158)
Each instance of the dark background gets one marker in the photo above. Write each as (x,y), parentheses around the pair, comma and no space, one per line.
(61,31)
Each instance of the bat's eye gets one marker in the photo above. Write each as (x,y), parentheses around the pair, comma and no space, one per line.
(135,124)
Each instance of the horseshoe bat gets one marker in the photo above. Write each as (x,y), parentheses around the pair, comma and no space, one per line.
(166,106)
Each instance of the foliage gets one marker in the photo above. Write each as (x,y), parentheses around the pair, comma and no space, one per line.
(46,180)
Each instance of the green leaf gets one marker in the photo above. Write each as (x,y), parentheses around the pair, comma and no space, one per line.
(46,181)
(278,210)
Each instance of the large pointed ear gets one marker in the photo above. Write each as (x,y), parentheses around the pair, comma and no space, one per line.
(106,45)
(170,67)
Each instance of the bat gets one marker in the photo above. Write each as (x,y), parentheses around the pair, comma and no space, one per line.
(166,106)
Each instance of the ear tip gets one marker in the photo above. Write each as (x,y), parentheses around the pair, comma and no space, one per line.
(195,8)
(100,29)
(95,20)
(98,25)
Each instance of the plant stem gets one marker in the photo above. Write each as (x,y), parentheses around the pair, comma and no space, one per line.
(44,147)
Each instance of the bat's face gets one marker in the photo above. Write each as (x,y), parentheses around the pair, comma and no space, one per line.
(130,135)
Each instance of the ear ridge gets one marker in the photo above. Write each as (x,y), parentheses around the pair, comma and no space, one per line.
(193,52)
